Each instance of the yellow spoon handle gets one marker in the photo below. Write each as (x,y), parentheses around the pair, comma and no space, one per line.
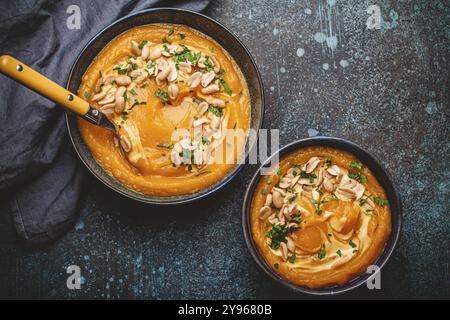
(20,72)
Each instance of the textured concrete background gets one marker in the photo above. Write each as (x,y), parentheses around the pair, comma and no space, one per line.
(324,73)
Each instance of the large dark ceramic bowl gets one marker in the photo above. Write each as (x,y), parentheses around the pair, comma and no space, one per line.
(196,21)
(383,178)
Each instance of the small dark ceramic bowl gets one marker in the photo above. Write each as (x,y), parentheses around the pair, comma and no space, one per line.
(196,21)
(383,178)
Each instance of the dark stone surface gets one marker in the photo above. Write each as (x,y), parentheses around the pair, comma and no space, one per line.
(387,90)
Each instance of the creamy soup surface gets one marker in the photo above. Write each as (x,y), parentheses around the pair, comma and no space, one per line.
(322,219)
(172,92)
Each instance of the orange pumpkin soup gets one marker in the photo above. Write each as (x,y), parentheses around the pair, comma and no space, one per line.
(172,92)
(322,219)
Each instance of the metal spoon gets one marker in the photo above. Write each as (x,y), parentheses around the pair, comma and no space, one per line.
(32,79)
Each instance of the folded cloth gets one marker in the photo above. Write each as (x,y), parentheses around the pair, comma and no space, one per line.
(39,172)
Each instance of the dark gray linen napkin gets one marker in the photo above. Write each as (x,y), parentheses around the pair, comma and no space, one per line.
(39,172)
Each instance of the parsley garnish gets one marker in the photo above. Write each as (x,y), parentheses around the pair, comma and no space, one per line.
(137,103)
(99,89)
(356,165)
(163,95)
(318,204)
(352,244)
(197,101)
(360,177)
(380,201)
(164,145)
(142,44)
(322,253)
(222,82)
(215,110)
(310,176)
(278,234)
(292,258)
(119,69)
(87,95)
(209,66)
(182,36)
(295,218)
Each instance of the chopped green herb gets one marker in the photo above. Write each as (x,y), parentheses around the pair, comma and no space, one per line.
(120,70)
(380,201)
(137,103)
(339,253)
(292,258)
(276,265)
(164,40)
(142,44)
(295,217)
(278,234)
(356,165)
(222,82)
(170,32)
(322,253)
(163,95)
(318,204)
(279,173)
(352,244)
(186,55)
(87,95)
(363,200)
(197,101)
(124,117)
(99,89)
(193,58)
(209,65)
(165,145)
(225,87)
(215,110)
(264,191)
(182,36)
(370,213)
(310,176)
(269,181)
(360,177)
(133,92)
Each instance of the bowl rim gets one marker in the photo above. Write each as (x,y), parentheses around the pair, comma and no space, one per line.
(185,198)
(352,148)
